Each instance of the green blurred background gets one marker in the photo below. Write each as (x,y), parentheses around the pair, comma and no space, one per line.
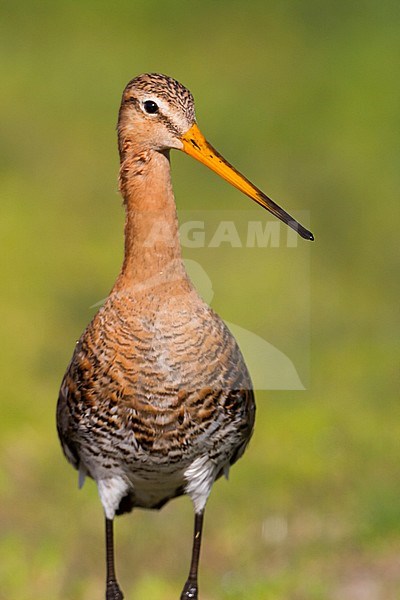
(304,98)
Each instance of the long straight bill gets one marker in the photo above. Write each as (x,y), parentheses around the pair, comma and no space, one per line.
(196,145)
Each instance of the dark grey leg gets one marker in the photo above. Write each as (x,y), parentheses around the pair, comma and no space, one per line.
(191,589)
(112,588)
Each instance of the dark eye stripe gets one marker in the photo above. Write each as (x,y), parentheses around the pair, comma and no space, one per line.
(150,107)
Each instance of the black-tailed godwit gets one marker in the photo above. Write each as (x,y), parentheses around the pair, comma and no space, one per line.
(157,400)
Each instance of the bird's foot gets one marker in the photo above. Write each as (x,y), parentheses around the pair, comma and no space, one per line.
(190,591)
(113,592)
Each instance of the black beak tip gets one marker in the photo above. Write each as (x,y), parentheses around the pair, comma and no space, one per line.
(304,233)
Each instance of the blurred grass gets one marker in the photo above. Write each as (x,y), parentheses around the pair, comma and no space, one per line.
(303,97)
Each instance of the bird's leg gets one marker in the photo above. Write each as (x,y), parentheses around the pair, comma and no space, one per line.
(112,588)
(190,591)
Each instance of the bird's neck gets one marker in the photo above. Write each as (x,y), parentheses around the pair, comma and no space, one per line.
(152,250)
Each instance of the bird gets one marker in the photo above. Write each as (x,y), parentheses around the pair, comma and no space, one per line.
(157,401)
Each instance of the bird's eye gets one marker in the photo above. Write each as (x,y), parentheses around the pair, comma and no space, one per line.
(150,107)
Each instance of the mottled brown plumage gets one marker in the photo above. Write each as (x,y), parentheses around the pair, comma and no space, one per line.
(157,400)
(156,382)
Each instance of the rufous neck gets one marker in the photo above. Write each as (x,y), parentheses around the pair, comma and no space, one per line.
(152,249)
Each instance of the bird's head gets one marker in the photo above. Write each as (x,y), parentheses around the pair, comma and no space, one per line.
(157,114)
(156,111)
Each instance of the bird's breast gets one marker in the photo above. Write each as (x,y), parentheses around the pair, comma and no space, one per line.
(175,344)
(166,380)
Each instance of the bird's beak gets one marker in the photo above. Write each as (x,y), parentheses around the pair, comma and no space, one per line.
(196,145)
